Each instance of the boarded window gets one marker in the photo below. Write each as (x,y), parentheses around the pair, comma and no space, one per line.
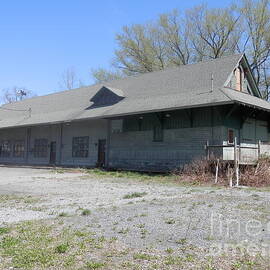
(262,131)
(157,133)
(230,136)
(5,149)
(18,149)
(249,130)
(239,79)
(80,147)
(40,148)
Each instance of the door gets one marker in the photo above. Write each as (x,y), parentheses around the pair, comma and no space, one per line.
(53,153)
(101,153)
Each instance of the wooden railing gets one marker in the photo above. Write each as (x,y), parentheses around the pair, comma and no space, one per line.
(236,155)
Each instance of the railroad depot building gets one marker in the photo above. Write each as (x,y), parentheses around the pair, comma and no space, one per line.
(156,121)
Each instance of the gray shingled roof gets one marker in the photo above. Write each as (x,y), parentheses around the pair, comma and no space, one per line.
(174,88)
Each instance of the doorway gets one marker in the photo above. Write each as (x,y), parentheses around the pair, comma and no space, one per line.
(101,153)
(53,153)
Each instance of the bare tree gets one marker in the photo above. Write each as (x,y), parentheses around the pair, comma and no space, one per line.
(10,95)
(176,36)
(256,18)
(175,39)
(214,32)
(69,79)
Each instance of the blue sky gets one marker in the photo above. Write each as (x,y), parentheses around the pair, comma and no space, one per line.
(41,39)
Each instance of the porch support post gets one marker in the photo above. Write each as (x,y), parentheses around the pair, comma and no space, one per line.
(236,162)
(259,149)
(61,144)
(28,141)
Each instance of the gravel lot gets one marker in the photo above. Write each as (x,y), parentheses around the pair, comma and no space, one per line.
(165,215)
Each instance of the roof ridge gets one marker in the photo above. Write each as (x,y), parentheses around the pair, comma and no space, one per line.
(177,67)
(110,83)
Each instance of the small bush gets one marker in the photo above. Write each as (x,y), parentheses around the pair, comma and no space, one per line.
(256,176)
(135,195)
(62,248)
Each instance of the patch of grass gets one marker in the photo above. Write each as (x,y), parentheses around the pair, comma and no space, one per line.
(38,209)
(6,198)
(169,250)
(123,230)
(86,212)
(30,200)
(4,230)
(36,245)
(94,265)
(134,195)
(62,248)
(63,214)
(171,260)
(181,241)
(143,256)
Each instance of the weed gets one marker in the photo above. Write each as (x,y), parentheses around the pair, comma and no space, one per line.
(123,231)
(181,241)
(86,212)
(4,230)
(143,256)
(170,221)
(135,195)
(94,265)
(62,248)
(169,250)
(63,214)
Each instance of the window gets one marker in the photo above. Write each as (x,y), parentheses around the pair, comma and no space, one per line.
(158,133)
(230,136)
(40,148)
(18,149)
(80,147)
(5,149)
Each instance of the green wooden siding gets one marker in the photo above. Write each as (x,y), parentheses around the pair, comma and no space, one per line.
(200,117)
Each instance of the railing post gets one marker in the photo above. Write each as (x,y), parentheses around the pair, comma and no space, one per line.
(207,150)
(236,162)
(259,149)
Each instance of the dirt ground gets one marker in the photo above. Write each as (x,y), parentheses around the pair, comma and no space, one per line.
(142,215)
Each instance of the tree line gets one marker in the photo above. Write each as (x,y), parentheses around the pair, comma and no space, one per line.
(182,37)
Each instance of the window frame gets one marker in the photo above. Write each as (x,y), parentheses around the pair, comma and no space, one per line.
(7,152)
(20,152)
(40,148)
(229,136)
(82,145)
